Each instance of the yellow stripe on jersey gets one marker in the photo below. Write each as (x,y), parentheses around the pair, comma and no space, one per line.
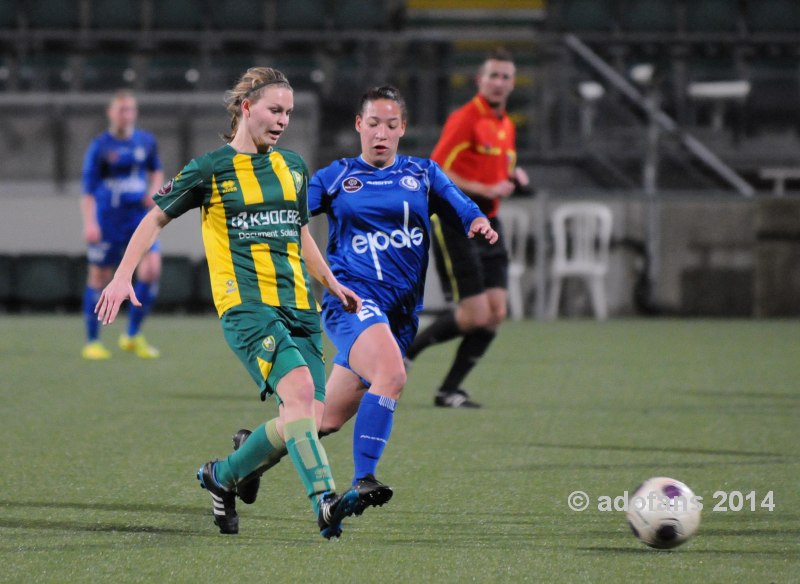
(448,262)
(284,176)
(224,286)
(265,270)
(300,288)
(448,162)
(251,189)
(264,366)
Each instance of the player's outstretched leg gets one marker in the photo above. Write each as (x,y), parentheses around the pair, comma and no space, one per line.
(254,453)
(223,501)
(371,432)
(371,493)
(332,509)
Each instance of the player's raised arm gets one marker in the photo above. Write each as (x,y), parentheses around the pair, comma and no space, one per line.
(120,288)
(320,271)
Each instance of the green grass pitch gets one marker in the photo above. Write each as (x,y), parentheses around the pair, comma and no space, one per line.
(98,459)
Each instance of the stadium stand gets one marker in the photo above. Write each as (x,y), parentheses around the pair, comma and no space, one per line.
(712,16)
(42,281)
(116,14)
(177,287)
(430,49)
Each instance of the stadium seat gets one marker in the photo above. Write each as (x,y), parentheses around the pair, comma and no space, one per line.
(648,15)
(53,13)
(42,281)
(107,71)
(116,14)
(712,16)
(301,14)
(587,15)
(180,14)
(238,14)
(9,17)
(46,72)
(516,224)
(582,236)
(774,15)
(177,289)
(172,72)
(225,69)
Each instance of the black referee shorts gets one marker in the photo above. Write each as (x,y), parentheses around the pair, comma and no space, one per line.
(467,267)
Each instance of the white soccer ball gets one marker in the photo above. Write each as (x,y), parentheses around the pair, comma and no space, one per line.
(663,512)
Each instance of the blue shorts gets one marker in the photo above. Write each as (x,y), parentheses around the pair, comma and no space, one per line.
(344,328)
(109,253)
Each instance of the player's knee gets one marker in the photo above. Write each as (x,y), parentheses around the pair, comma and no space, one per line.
(498,316)
(298,395)
(475,320)
(391,382)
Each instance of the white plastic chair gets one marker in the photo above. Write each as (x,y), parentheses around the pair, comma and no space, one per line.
(582,235)
(516,228)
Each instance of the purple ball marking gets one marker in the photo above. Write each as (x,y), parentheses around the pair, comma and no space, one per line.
(672,491)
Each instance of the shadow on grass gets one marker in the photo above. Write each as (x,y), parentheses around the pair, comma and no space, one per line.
(214,396)
(94,527)
(739,394)
(643,550)
(665,450)
(130,508)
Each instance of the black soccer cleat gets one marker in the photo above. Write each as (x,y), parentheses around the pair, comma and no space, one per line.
(223,502)
(457,398)
(371,493)
(247,489)
(332,509)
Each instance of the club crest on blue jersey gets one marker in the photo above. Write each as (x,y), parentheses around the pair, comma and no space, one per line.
(409,183)
(351,185)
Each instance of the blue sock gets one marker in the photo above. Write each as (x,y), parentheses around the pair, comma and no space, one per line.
(90,298)
(371,432)
(146,293)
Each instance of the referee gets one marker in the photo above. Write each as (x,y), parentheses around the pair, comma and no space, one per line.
(477,150)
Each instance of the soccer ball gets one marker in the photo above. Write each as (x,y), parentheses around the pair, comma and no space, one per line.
(663,512)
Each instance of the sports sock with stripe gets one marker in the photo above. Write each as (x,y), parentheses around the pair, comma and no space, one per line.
(309,458)
(262,449)
(371,431)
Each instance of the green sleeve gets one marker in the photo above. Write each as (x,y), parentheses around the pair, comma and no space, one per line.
(190,188)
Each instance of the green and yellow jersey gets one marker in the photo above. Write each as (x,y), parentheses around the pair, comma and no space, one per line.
(253,206)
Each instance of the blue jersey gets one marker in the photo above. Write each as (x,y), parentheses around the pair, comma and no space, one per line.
(379,224)
(115,174)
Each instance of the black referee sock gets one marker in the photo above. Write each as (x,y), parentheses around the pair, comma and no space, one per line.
(469,351)
(442,329)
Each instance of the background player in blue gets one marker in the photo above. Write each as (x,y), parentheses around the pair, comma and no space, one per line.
(120,172)
(378,206)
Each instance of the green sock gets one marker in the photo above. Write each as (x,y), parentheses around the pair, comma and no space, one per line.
(260,448)
(309,458)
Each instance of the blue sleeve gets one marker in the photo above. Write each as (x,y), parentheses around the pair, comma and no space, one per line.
(90,176)
(153,161)
(448,201)
(319,199)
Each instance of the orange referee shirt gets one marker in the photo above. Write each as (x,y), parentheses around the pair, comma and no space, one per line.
(477,145)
